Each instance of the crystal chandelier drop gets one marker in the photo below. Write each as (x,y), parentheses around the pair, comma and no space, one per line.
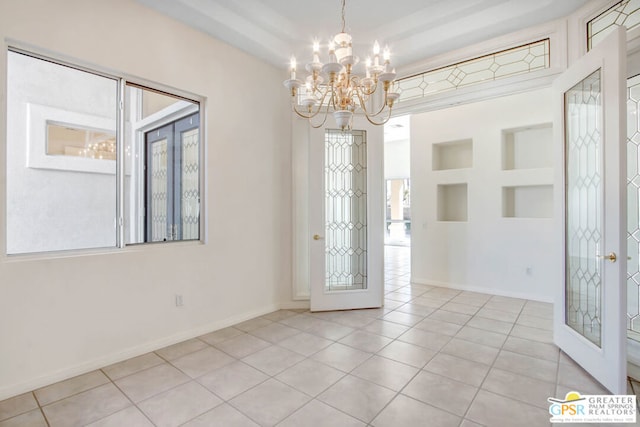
(334,86)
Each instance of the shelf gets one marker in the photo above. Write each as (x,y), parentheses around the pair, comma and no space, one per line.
(452,155)
(528,147)
(527,201)
(452,202)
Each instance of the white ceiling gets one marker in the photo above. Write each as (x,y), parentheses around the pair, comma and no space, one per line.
(273,30)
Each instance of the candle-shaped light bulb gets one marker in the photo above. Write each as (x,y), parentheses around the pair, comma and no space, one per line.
(368,66)
(316,51)
(386,54)
(293,67)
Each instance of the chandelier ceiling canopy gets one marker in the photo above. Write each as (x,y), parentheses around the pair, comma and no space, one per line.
(335,87)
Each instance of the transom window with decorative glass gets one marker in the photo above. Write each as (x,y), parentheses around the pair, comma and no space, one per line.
(95,162)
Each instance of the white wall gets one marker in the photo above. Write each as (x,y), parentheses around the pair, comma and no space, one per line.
(60,316)
(397,156)
(488,252)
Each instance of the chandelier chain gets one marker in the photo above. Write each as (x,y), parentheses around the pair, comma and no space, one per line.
(344,2)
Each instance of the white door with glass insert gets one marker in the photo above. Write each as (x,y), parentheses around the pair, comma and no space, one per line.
(346,217)
(590,129)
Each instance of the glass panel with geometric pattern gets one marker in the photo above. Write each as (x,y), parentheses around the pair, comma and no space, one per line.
(583,180)
(626,13)
(190,193)
(633,208)
(506,63)
(159,191)
(345,210)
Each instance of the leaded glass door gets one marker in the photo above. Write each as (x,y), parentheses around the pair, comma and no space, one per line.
(590,307)
(346,217)
(173,181)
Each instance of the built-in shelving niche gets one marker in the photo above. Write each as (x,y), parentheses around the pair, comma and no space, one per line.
(527,147)
(527,201)
(452,202)
(452,155)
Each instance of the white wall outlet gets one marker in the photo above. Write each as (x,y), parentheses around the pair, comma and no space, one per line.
(529,271)
(179,302)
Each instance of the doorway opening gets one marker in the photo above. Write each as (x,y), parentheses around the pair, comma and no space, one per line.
(397,225)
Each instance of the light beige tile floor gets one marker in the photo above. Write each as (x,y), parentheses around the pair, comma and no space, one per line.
(431,357)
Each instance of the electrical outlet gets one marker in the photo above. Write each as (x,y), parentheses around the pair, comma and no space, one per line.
(179,302)
(529,271)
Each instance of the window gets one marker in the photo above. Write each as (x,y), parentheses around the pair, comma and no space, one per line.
(82,175)
(498,65)
(625,13)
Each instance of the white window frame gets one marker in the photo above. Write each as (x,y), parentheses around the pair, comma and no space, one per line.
(39,115)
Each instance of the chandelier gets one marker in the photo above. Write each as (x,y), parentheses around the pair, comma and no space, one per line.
(335,87)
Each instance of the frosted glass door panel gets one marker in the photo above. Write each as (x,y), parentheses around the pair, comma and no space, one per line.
(159,191)
(345,210)
(190,192)
(633,208)
(583,145)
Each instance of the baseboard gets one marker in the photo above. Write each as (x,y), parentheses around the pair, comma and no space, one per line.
(70,372)
(480,289)
(295,305)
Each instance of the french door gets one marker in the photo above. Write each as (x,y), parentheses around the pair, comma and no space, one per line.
(590,129)
(346,216)
(172,181)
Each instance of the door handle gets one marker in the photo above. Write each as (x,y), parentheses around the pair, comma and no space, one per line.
(611,257)
(317,237)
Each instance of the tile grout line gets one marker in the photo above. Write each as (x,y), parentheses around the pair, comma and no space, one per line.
(475,396)
(128,398)
(399,392)
(46,420)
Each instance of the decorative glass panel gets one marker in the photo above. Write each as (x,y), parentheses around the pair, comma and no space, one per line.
(190,193)
(519,60)
(345,210)
(583,145)
(633,208)
(159,191)
(626,14)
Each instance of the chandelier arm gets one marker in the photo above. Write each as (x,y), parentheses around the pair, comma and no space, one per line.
(378,123)
(367,113)
(310,115)
(356,82)
(326,114)
(332,100)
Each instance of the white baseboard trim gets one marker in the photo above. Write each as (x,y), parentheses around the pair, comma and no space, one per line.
(294,305)
(91,365)
(481,289)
